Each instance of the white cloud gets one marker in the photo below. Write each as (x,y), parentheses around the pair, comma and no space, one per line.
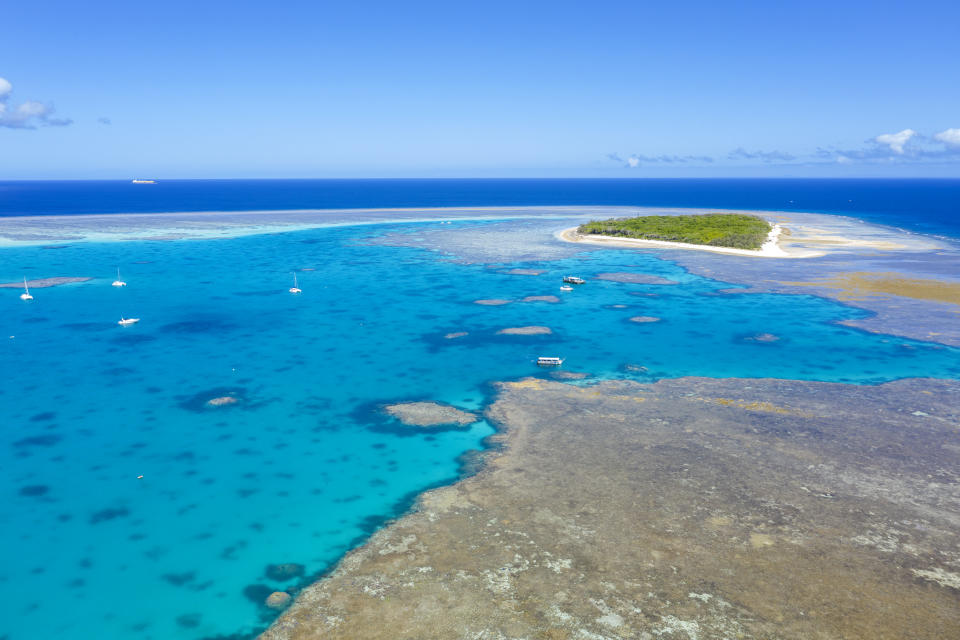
(26,115)
(950,137)
(896,140)
(636,159)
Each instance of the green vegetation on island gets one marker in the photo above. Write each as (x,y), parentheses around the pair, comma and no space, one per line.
(733,230)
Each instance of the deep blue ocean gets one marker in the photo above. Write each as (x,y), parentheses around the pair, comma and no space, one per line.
(132,509)
(927,206)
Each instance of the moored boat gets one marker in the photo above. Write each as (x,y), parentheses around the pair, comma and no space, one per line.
(573,280)
(549,361)
(26,291)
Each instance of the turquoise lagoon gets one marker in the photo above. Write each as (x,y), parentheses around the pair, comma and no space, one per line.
(306,466)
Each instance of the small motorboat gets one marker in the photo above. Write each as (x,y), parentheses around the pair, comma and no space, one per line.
(549,361)
(126,322)
(295,288)
(573,280)
(118,282)
(26,291)
(566,287)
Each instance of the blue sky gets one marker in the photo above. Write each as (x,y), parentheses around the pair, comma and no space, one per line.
(434,89)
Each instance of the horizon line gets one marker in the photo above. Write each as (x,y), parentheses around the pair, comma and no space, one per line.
(488,178)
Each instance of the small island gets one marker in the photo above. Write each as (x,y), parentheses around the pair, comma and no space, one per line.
(732,230)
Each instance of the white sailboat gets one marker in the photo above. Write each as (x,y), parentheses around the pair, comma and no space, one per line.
(295,288)
(26,291)
(126,322)
(118,282)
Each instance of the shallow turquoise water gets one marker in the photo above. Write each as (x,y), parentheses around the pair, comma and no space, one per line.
(306,465)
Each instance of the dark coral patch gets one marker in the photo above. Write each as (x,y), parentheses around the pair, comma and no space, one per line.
(284,571)
(257,593)
(202,325)
(179,579)
(188,620)
(38,441)
(34,490)
(108,514)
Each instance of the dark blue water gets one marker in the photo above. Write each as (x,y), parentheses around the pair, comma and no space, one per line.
(926,206)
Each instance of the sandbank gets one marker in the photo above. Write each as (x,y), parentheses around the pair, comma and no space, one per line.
(43,283)
(492,302)
(550,299)
(525,331)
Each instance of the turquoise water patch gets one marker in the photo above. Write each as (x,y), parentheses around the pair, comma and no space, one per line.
(294,463)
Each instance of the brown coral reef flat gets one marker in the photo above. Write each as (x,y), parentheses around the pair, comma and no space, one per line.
(685,509)
(858,285)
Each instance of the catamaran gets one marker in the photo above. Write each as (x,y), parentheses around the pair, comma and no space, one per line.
(26,291)
(118,282)
(126,322)
(295,288)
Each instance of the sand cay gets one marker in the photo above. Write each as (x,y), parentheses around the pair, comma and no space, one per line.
(794,235)
(770,249)
(689,508)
